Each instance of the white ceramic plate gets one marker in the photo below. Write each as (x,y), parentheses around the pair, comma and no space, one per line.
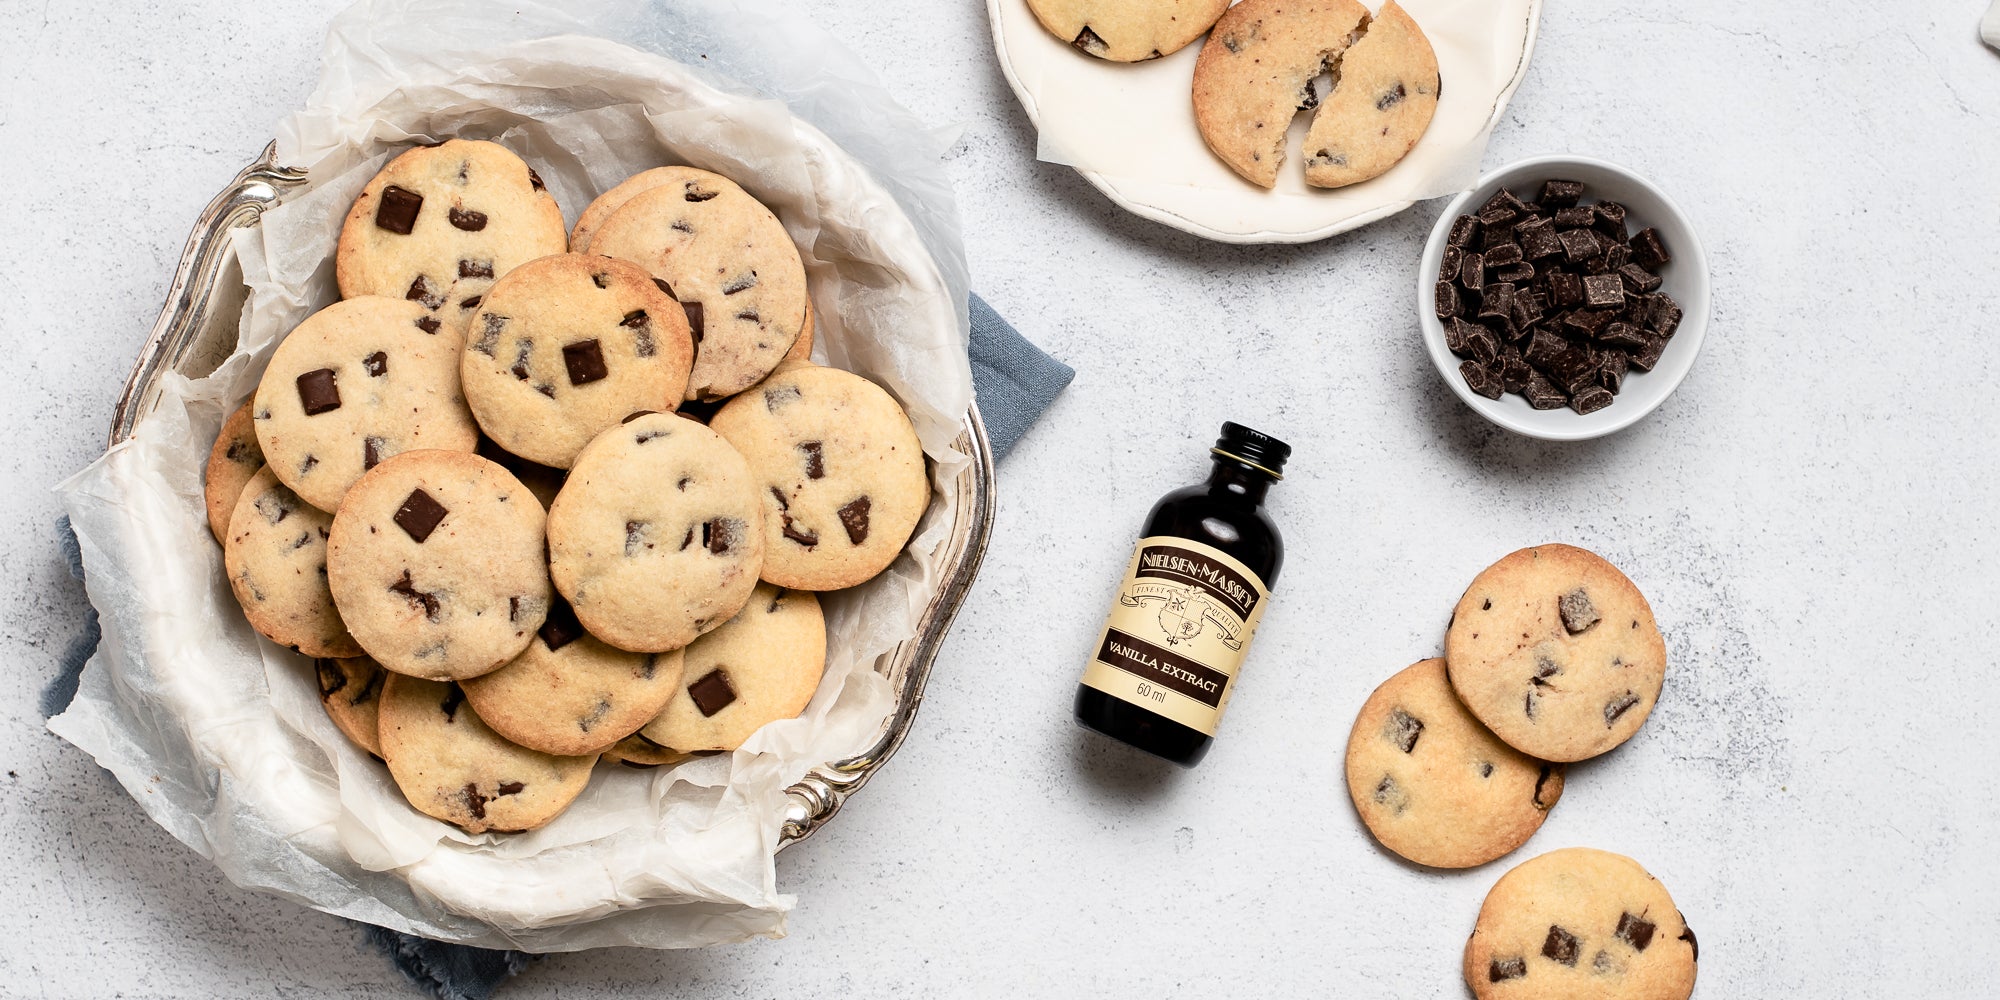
(1129,128)
(1685,278)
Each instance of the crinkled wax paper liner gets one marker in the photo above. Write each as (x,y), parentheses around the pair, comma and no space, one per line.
(218,734)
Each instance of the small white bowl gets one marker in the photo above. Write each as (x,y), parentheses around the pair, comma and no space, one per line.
(1685,278)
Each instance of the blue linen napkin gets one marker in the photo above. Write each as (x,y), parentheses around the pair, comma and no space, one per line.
(1013,382)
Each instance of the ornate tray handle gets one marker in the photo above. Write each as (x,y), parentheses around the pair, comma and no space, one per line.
(256,189)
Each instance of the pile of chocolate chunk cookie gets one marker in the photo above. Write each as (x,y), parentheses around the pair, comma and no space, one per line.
(465,488)
(1263,63)
(1552,656)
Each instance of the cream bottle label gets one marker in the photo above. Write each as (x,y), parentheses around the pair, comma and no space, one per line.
(1185,614)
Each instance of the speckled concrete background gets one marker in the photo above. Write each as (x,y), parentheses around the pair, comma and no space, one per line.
(1813,516)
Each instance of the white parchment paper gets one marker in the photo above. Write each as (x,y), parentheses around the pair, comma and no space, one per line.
(219,735)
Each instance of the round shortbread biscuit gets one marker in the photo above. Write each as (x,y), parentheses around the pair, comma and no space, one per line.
(1386,95)
(566,346)
(232,462)
(761,666)
(441,223)
(639,752)
(351,691)
(569,693)
(1556,652)
(356,383)
(838,469)
(1580,924)
(657,535)
(1127,30)
(731,264)
(451,766)
(275,554)
(1434,785)
(436,563)
(604,205)
(1257,69)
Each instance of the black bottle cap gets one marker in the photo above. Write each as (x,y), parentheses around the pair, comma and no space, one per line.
(1253,448)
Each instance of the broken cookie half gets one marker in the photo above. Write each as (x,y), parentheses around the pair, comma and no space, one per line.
(1127,30)
(1261,65)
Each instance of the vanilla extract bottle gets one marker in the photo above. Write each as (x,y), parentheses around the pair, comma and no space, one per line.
(1163,669)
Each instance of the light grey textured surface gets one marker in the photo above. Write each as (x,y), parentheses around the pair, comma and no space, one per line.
(1812,515)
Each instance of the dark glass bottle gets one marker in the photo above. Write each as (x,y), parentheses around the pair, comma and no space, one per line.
(1163,668)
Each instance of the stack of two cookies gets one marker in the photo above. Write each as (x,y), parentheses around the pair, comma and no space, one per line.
(1552,656)
(662,604)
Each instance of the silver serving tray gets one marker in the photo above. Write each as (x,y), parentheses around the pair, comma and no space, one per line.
(197,330)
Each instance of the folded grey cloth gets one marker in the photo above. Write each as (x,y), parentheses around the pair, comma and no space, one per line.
(1013,383)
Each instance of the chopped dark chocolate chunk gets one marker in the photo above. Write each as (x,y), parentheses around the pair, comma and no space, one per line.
(424,600)
(1573,367)
(742,282)
(419,515)
(1573,217)
(1604,291)
(469,221)
(397,211)
(421,291)
(1484,345)
(1480,380)
(1665,317)
(1538,239)
(475,269)
(1560,946)
(1403,729)
(429,324)
(1518,274)
(1463,231)
(1649,355)
(1529,308)
(1610,219)
(1497,302)
(1448,264)
(1638,279)
(1457,336)
(1503,255)
(712,692)
(1619,706)
(1504,198)
(721,534)
(854,517)
(1590,399)
(1472,272)
(1623,335)
(693,310)
(1648,251)
(1616,256)
(1578,614)
(318,392)
(560,628)
(1543,348)
(1611,368)
(1500,970)
(584,361)
(1578,244)
(371,452)
(376,364)
(1447,304)
(1565,289)
(815,454)
(511,788)
(1497,215)
(1635,931)
(1514,370)
(475,801)
(1542,394)
(1588,322)
(1560,194)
